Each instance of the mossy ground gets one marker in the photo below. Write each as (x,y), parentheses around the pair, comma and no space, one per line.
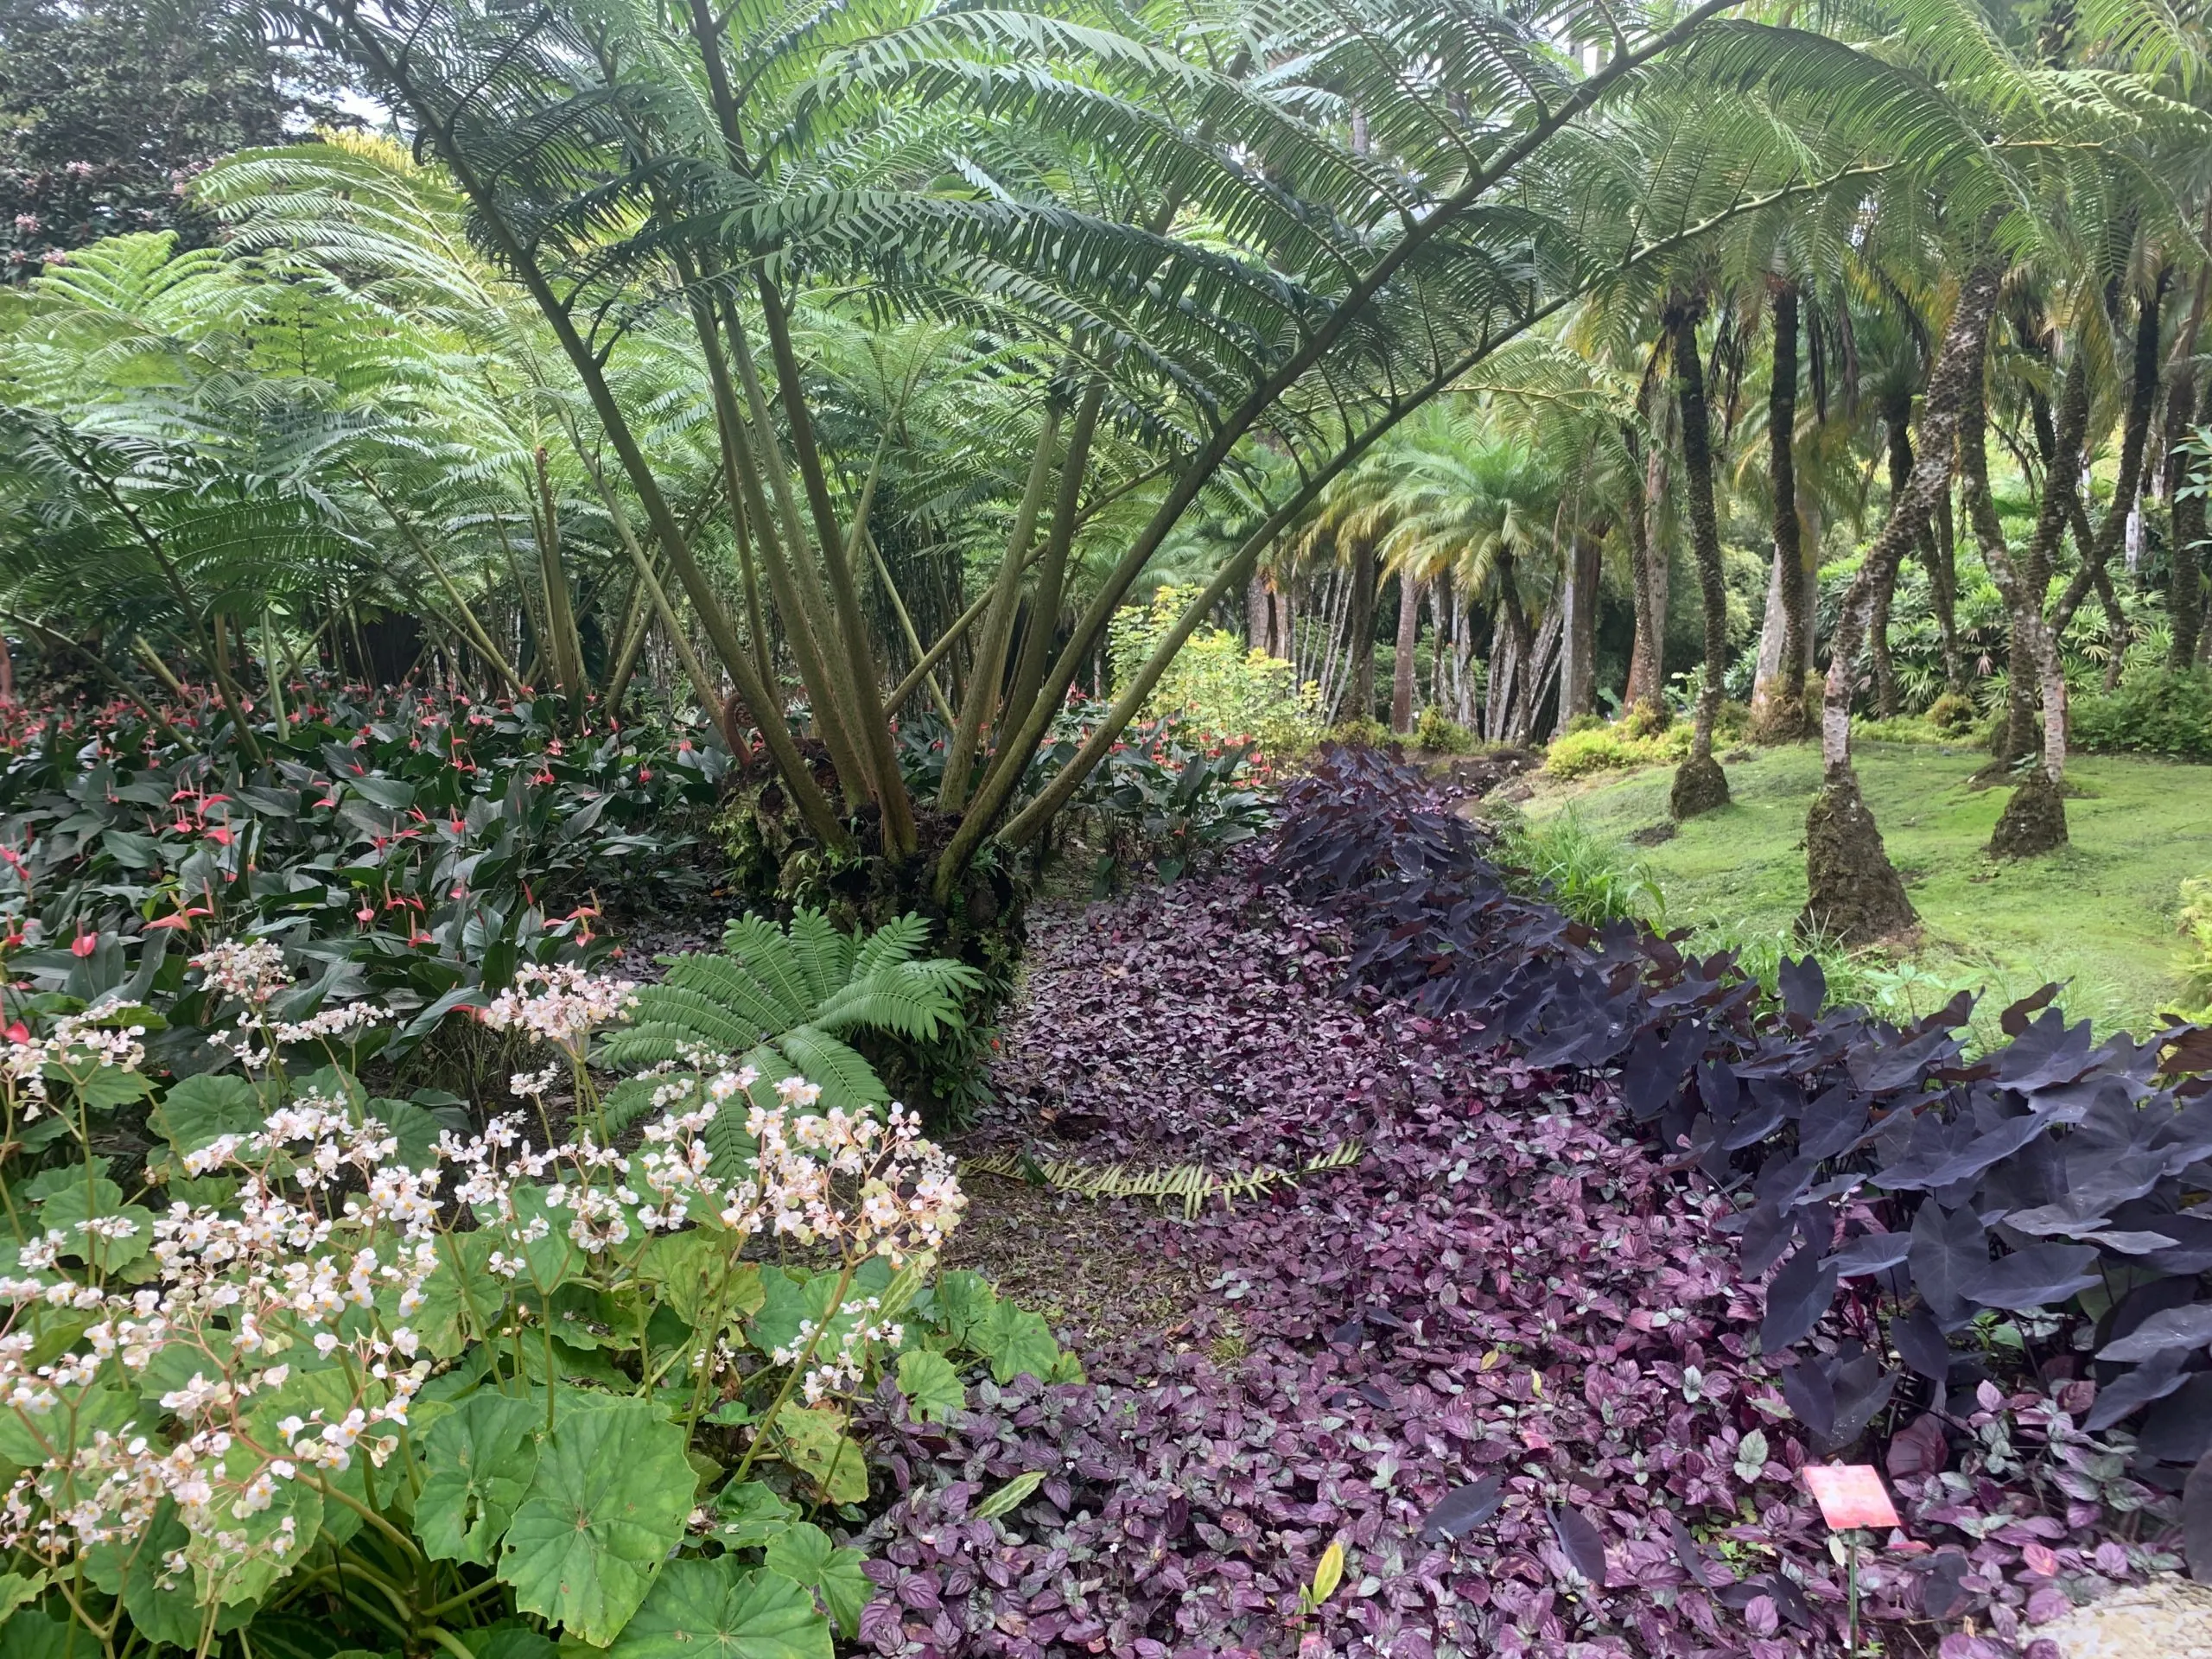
(2099,914)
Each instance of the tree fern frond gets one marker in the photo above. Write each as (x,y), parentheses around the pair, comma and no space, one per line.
(767,953)
(846,1080)
(894,942)
(822,951)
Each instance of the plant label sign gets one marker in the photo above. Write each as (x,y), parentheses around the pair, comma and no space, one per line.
(1850,1494)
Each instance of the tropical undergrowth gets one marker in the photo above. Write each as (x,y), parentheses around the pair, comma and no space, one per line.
(329,1372)
(412,844)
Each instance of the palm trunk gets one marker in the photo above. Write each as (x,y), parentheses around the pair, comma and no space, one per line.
(1784,704)
(1852,892)
(1699,784)
(565,645)
(1401,661)
(2034,820)
(2185,589)
(1578,669)
(1647,479)
(1356,699)
(2188,592)
(2135,432)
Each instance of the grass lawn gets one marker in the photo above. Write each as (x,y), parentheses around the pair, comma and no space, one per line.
(2099,916)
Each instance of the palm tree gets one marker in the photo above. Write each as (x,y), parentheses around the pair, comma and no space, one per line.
(1699,784)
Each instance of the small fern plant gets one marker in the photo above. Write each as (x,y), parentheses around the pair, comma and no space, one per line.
(782,1001)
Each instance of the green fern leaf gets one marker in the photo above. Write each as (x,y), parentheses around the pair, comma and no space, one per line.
(896,942)
(766,954)
(846,1080)
(732,985)
(824,955)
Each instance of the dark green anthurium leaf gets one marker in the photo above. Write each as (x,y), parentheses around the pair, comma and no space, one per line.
(606,1505)
(479,1458)
(716,1609)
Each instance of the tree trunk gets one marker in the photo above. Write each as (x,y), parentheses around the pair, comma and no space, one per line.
(1356,701)
(2135,432)
(1782,719)
(2185,589)
(2188,532)
(1699,784)
(1401,660)
(1853,892)
(1877,636)
(1647,479)
(1578,667)
(2034,820)
(1934,542)
(1543,665)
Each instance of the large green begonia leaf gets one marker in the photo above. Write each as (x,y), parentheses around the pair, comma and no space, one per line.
(606,1505)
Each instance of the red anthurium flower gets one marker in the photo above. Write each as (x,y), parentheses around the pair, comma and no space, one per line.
(19,1032)
(84,944)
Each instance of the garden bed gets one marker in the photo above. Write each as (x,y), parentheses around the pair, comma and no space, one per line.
(1507,1360)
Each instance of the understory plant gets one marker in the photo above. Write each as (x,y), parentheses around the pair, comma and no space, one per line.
(1217,685)
(323,1372)
(411,843)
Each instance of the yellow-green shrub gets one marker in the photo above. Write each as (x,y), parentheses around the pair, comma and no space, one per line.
(1439,733)
(1615,748)
(1215,684)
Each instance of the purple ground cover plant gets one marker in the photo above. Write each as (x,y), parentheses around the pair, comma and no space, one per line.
(1512,1360)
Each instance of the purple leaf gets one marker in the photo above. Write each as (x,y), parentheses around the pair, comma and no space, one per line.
(1464,1507)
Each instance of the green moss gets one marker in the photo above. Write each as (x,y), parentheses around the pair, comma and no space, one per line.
(2099,914)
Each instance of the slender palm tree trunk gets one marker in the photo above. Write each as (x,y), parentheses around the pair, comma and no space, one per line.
(1699,784)
(2187,594)
(2185,589)
(1401,661)
(1356,701)
(1647,478)
(1782,717)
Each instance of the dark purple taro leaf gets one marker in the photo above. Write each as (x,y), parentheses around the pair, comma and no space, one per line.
(2179,1429)
(2152,1380)
(1835,1123)
(2014,1020)
(1862,1386)
(1878,1070)
(2183,1328)
(1804,987)
(2196,1520)
(2038,1277)
(1800,1293)
(2192,1252)
(1871,1253)
(1811,1396)
(1921,1344)
(1693,1559)
(1579,1540)
(2061,1220)
(1948,1246)
(1464,1507)
(2045,1053)
(2097,1178)
(1767,1228)
(1919,1448)
(1941,1595)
